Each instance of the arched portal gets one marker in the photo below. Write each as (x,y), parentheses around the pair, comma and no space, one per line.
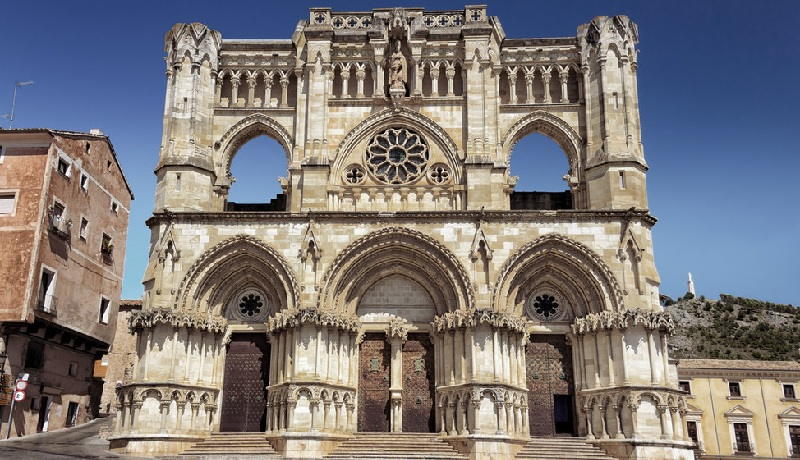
(551,281)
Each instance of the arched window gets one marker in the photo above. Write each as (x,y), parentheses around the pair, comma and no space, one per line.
(256,168)
(541,165)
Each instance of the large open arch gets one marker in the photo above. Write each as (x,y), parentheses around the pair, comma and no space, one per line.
(550,125)
(232,266)
(396,251)
(556,262)
(245,129)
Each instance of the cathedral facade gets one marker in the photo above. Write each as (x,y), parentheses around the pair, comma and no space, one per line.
(400,283)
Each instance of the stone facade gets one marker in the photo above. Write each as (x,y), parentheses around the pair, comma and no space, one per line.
(742,407)
(398,289)
(64,207)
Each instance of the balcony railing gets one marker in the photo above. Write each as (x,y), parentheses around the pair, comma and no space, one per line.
(47,303)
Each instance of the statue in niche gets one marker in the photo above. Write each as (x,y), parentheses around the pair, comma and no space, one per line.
(398,69)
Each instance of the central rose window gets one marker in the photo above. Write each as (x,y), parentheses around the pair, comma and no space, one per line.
(397,156)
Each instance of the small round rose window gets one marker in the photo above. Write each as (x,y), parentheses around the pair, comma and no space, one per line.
(397,156)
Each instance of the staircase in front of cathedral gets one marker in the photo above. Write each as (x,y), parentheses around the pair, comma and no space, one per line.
(231,446)
(417,446)
(561,448)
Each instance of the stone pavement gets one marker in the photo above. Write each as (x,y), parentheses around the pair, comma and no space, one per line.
(82,441)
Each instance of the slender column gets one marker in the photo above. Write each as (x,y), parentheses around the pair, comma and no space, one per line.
(512,345)
(234,90)
(201,369)
(174,353)
(603,427)
(273,361)
(546,81)
(251,91)
(217,90)
(512,85)
(265,101)
(664,358)
(353,360)
(345,73)
(666,425)
(448,357)
(470,339)
(163,408)
(501,417)
(288,353)
(581,79)
(361,73)
(530,75)
(611,370)
(651,351)
(634,421)
(284,89)
(461,418)
(339,356)
(596,366)
(458,351)
(496,354)
(677,427)
(563,74)
(435,69)
(451,73)
(589,428)
(147,350)
(188,360)
(619,337)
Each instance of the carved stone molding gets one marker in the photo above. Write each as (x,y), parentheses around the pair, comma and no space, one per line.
(288,319)
(474,318)
(608,320)
(177,318)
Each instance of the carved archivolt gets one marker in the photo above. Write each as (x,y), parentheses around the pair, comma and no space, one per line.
(231,265)
(396,250)
(246,129)
(405,117)
(551,258)
(607,320)
(549,125)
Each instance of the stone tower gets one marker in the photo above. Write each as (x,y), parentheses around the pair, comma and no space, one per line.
(400,282)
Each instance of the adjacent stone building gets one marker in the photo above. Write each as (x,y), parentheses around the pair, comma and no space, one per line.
(118,363)
(742,407)
(64,207)
(401,283)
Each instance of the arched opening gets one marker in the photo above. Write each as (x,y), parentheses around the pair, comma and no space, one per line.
(396,297)
(256,182)
(543,169)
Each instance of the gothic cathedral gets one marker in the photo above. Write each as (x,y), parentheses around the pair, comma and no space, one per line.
(400,283)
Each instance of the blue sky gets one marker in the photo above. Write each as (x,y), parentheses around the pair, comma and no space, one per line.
(718,96)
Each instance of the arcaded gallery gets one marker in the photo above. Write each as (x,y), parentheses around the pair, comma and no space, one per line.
(400,282)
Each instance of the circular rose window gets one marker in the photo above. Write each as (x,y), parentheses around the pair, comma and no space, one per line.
(397,156)
(544,307)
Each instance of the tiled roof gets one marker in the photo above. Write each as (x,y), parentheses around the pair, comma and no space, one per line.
(751,364)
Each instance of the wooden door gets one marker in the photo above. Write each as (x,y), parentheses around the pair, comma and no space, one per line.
(374,383)
(244,385)
(550,386)
(418,385)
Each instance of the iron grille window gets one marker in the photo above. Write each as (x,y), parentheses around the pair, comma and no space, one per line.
(788,391)
(685,386)
(794,437)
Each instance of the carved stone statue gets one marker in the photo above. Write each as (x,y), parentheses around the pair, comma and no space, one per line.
(398,69)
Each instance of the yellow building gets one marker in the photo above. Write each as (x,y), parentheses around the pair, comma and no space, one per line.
(742,407)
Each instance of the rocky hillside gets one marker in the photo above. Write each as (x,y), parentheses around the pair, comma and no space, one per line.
(734,328)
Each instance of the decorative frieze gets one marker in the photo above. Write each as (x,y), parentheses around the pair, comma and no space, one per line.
(288,319)
(608,320)
(474,318)
(177,318)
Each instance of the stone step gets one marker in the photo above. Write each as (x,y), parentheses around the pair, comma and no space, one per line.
(417,446)
(231,446)
(561,448)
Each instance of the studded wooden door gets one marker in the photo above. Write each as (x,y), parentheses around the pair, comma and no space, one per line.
(373,383)
(418,386)
(550,386)
(244,384)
